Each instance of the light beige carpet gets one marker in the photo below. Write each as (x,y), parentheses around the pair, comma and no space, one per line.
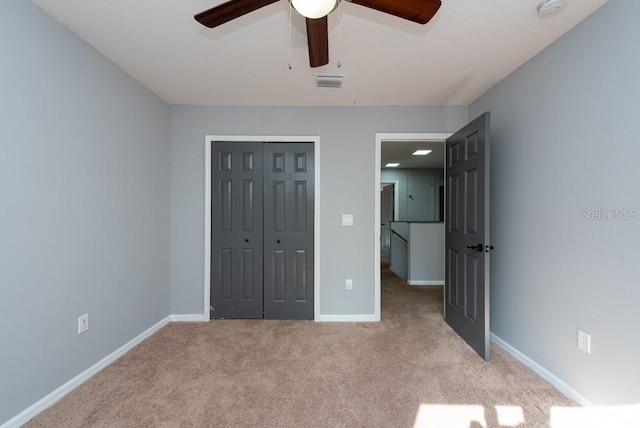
(410,370)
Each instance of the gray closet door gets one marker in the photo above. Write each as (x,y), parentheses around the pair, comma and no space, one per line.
(236,230)
(288,230)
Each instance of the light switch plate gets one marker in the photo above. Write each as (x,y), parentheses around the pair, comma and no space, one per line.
(347,219)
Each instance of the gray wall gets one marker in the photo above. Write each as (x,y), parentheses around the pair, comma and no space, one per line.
(347,148)
(426,253)
(84,217)
(389,175)
(564,128)
(399,249)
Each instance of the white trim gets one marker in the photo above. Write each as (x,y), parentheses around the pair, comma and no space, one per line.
(554,380)
(348,318)
(206,313)
(376,227)
(187,318)
(48,401)
(413,136)
(419,282)
(208,140)
(316,230)
(380,137)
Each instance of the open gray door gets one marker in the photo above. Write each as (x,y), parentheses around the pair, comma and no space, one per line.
(387,205)
(467,234)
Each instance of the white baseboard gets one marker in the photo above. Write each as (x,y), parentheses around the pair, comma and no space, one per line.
(46,402)
(347,318)
(554,380)
(418,282)
(188,318)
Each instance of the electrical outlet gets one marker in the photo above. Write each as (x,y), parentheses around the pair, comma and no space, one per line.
(349,284)
(584,341)
(83,323)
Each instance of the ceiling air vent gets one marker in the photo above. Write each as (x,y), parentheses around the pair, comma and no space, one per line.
(328,81)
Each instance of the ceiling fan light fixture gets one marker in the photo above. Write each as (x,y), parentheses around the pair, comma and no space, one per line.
(314,9)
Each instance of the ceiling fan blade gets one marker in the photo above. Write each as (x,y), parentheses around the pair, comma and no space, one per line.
(230,10)
(318,41)
(420,11)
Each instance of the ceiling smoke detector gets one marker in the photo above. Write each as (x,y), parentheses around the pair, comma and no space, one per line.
(550,7)
(328,81)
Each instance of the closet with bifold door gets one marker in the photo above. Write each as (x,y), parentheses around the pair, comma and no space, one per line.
(262,208)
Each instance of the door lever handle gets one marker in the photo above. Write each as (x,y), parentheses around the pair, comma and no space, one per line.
(478,247)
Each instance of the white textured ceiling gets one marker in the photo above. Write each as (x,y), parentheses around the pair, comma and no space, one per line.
(468,47)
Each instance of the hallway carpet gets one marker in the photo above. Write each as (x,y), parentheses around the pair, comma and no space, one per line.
(410,370)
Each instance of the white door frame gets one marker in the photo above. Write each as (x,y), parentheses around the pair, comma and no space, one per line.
(208,141)
(380,137)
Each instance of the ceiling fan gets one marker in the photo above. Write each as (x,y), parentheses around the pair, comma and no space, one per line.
(420,11)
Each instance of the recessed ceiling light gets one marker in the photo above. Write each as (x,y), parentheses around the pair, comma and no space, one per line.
(421,152)
(392,165)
